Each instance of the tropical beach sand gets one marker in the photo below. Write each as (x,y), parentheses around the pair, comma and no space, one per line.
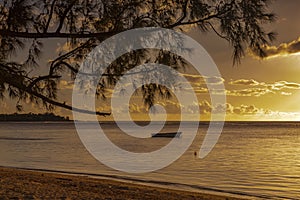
(30,184)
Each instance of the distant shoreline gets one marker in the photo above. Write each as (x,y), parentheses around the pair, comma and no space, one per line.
(24,118)
(31,117)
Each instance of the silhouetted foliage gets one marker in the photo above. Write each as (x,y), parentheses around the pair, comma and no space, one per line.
(32,117)
(24,24)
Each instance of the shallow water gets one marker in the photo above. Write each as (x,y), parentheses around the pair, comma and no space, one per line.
(259,160)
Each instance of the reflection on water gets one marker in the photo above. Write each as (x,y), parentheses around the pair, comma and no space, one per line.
(254,159)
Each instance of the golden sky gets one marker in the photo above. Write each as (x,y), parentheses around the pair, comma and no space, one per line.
(256,89)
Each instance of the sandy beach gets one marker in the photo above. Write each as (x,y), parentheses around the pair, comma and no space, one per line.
(29,184)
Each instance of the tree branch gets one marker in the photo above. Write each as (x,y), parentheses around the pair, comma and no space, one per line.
(184,15)
(219,34)
(103,75)
(62,19)
(64,105)
(28,35)
(50,16)
(17,82)
(193,22)
(41,78)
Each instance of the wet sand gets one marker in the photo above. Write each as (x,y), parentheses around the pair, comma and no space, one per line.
(29,184)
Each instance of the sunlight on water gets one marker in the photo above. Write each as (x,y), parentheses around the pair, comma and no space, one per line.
(260,160)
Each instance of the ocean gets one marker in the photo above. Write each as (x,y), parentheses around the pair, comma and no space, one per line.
(258,160)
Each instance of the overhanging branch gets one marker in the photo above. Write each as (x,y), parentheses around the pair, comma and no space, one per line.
(16,82)
(30,35)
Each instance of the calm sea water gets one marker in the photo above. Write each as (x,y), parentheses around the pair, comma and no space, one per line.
(256,160)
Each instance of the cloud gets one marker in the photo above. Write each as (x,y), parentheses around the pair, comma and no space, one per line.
(245,82)
(241,110)
(193,77)
(280,87)
(65,85)
(134,108)
(286,93)
(205,107)
(214,80)
(171,107)
(284,85)
(228,108)
(249,92)
(283,49)
(200,90)
(247,110)
(65,47)
(203,80)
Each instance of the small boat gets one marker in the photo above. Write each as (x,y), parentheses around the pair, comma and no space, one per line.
(167,135)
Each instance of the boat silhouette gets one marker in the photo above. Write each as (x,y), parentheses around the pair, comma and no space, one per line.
(167,135)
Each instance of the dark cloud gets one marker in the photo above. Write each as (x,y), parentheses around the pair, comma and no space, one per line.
(203,80)
(214,80)
(281,50)
(193,77)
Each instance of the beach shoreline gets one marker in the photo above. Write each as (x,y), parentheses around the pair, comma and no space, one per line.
(34,184)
